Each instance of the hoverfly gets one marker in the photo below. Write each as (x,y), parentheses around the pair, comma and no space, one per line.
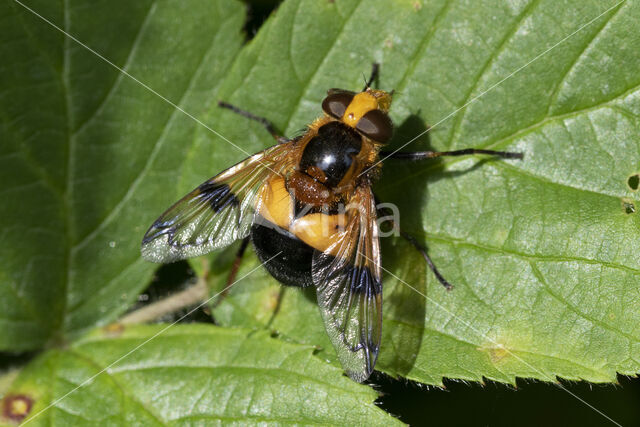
(289,201)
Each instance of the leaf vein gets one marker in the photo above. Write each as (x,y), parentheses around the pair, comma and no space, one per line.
(557,90)
(426,39)
(460,115)
(125,393)
(116,82)
(538,274)
(535,257)
(147,166)
(325,57)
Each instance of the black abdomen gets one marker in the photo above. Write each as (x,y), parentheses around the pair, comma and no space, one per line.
(292,267)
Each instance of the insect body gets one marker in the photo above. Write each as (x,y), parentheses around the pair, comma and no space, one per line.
(308,208)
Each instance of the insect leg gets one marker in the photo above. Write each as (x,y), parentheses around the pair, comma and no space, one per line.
(421,155)
(430,263)
(276,310)
(265,122)
(423,252)
(234,270)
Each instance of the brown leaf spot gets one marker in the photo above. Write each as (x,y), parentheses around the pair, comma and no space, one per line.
(16,407)
(496,353)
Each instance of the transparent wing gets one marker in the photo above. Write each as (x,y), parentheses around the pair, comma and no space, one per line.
(218,212)
(348,281)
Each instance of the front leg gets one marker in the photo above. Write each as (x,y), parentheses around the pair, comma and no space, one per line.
(264,122)
(422,155)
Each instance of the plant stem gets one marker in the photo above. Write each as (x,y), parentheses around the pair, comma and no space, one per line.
(194,294)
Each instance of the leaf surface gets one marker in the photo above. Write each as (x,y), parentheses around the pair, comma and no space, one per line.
(192,374)
(87,152)
(542,252)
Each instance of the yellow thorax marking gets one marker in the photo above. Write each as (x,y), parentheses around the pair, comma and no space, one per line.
(276,203)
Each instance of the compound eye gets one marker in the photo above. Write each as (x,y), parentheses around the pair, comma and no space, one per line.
(376,125)
(335,104)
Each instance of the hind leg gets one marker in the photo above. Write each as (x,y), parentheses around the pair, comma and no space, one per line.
(234,271)
(423,252)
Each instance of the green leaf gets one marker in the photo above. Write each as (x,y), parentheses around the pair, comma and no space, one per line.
(88,154)
(192,374)
(542,252)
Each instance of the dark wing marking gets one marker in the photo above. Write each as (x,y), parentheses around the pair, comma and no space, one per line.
(218,212)
(349,287)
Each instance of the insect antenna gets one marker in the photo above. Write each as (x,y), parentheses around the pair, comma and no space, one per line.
(374,75)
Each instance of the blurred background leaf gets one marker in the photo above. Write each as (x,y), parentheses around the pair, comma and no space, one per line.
(87,152)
